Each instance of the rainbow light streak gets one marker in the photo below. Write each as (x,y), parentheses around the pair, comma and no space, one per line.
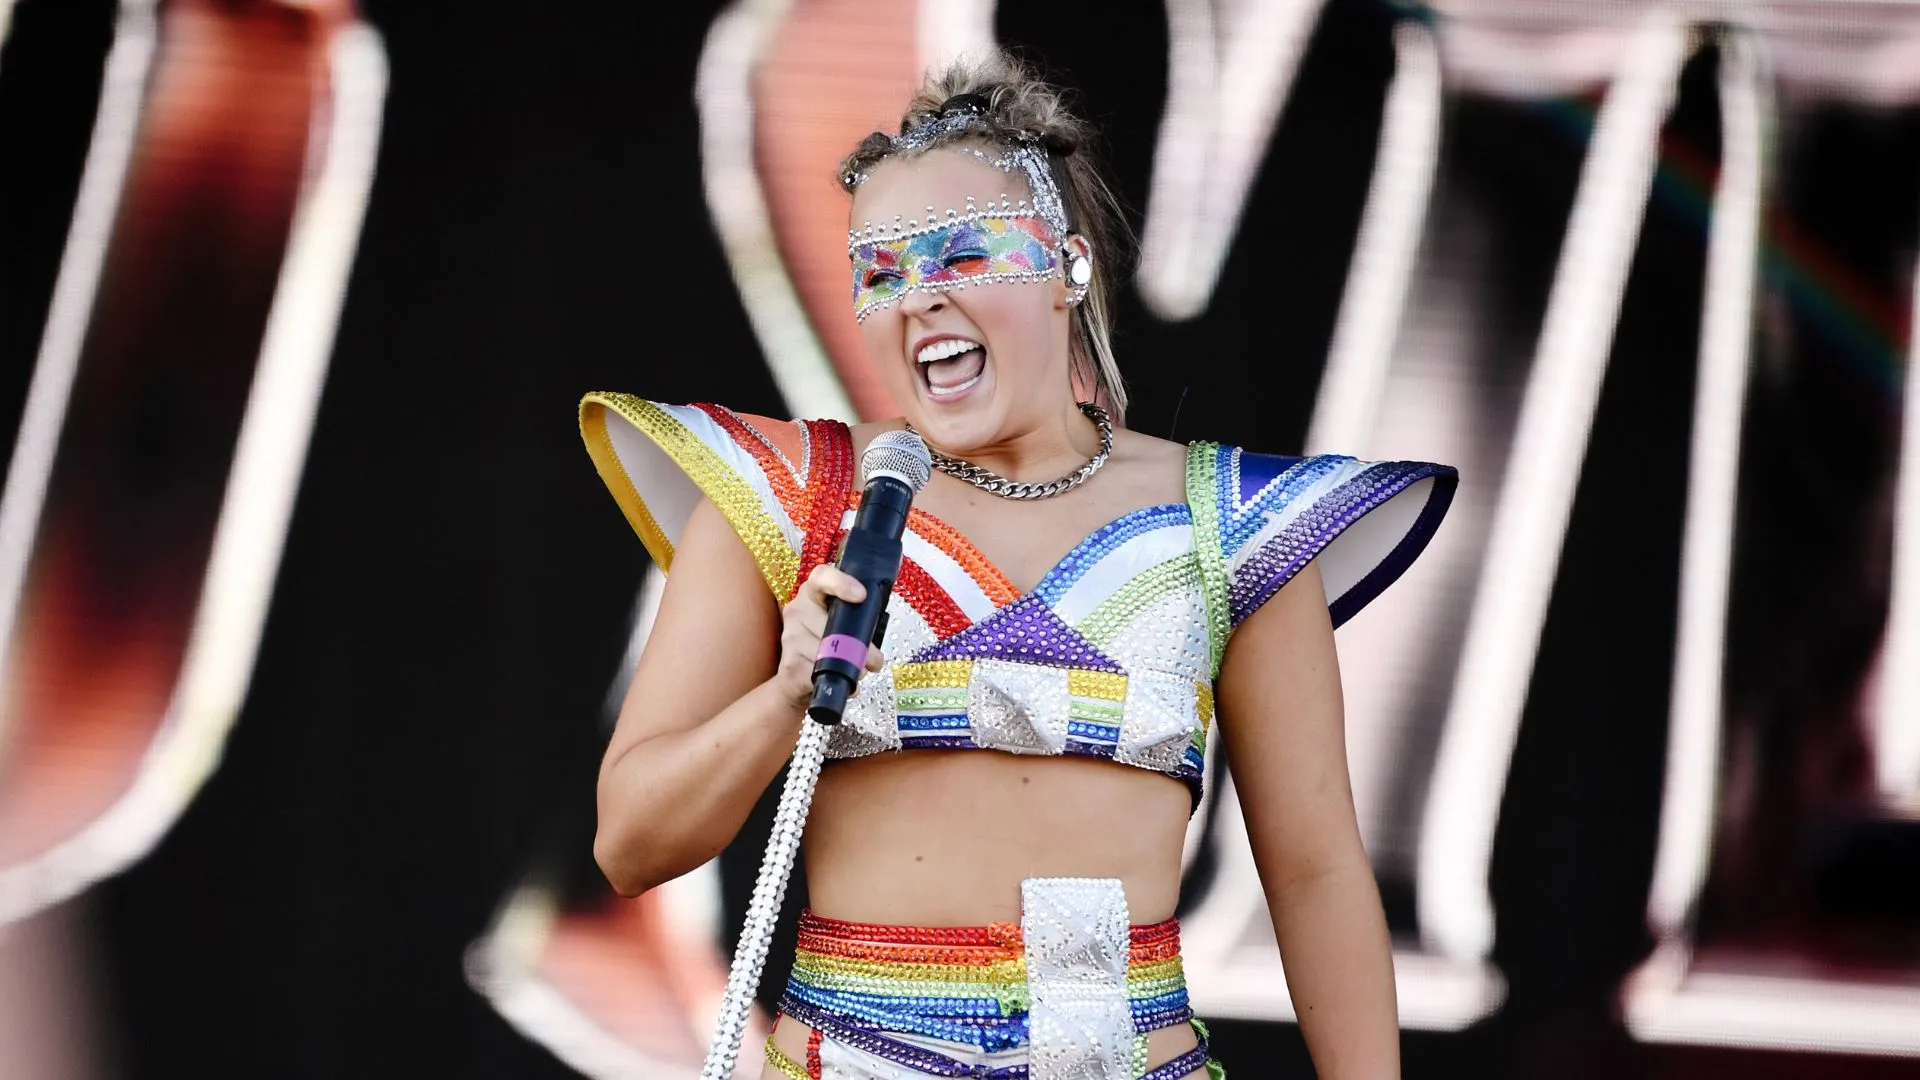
(1868,324)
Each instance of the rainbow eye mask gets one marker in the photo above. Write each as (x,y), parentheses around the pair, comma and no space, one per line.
(1002,243)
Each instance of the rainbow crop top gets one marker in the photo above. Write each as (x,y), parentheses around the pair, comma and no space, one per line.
(1113,654)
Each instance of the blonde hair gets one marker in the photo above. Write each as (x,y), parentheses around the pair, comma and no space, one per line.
(1021,105)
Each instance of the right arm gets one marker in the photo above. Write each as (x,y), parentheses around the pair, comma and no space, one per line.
(714,710)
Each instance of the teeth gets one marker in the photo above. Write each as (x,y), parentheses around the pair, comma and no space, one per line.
(943,391)
(944,348)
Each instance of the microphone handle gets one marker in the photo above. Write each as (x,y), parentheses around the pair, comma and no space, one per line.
(871,556)
(874,561)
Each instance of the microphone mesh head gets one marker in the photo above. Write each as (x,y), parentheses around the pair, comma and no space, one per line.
(901,455)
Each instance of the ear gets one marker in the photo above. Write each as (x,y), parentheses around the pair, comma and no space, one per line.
(1076,270)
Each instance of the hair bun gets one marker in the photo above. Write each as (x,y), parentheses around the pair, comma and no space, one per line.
(964,104)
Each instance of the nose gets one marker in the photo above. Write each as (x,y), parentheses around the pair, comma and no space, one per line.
(923,302)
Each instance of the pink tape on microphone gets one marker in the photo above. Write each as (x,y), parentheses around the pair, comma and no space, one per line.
(844,647)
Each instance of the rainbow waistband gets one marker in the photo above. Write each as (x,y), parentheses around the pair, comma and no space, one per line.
(860,983)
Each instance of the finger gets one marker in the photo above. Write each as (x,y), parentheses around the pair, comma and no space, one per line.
(875,659)
(798,681)
(816,583)
(835,582)
(812,619)
(798,646)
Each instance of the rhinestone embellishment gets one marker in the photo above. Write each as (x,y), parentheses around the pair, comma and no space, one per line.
(1078,1021)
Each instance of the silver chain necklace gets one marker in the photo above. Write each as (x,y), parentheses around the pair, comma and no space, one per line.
(994,484)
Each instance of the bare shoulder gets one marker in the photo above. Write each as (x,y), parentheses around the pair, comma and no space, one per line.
(1151,463)
(1148,449)
(864,432)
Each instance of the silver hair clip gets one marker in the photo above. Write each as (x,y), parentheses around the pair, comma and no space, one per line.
(1026,156)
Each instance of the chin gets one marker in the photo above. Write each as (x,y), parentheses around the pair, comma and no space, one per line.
(962,427)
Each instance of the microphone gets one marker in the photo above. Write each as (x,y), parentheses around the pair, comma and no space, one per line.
(895,467)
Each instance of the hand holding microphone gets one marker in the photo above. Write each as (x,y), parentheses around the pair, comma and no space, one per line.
(894,468)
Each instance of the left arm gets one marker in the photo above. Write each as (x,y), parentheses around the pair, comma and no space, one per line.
(1281,716)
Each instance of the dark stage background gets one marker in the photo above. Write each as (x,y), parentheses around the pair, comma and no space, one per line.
(426,710)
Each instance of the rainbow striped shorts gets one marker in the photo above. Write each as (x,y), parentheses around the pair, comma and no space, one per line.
(1071,992)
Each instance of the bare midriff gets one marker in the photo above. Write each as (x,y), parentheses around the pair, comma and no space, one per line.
(945,837)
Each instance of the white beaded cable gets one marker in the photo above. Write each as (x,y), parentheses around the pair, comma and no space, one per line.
(750,956)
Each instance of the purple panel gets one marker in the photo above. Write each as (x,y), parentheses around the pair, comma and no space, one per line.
(1024,632)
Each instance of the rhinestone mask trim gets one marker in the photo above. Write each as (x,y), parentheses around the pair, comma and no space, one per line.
(1004,242)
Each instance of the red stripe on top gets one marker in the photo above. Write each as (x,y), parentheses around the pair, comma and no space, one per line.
(924,595)
(997,586)
(749,438)
(923,591)
(816,504)
(829,489)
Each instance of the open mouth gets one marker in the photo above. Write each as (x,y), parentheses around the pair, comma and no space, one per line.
(951,365)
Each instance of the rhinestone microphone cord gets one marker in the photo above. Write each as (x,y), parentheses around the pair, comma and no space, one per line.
(769,889)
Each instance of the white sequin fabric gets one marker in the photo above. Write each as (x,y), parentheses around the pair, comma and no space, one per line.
(1018,707)
(1076,933)
(1157,727)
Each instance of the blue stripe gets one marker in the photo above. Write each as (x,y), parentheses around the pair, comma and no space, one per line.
(958,1010)
(1239,521)
(991,1032)
(1088,553)
(1158,1002)
(931,721)
(1086,729)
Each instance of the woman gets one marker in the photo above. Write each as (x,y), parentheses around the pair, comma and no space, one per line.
(1076,596)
